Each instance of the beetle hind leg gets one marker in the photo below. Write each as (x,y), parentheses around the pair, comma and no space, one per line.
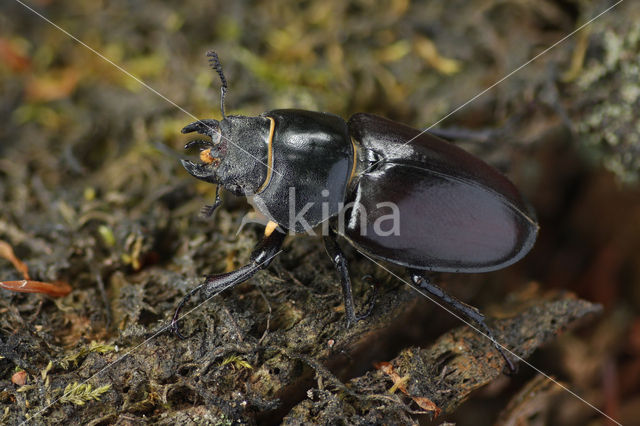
(471,313)
(340,262)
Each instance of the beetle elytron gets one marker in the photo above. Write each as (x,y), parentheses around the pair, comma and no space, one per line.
(455,213)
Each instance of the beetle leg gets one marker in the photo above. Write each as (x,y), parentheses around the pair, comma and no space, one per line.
(261,257)
(472,313)
(462,134)
(208,209)
(372,300)
(340,262)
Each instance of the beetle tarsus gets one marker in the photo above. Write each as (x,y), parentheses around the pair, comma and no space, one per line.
(340,262)
(208,209)
(472,313)
(372,299)
(175,328)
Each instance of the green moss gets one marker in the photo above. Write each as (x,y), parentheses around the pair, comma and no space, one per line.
(237,362)
(84,351)
(79,394)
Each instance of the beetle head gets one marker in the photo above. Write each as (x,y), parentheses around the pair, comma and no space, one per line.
(236,155)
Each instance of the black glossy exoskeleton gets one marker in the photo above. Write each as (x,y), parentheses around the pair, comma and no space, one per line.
(448,210)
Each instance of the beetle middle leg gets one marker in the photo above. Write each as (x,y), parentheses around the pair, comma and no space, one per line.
(483,135)
(340,262)
(473,314)
(261,257)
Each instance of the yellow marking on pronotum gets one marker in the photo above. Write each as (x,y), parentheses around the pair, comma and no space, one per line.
(355,159)
(269,156)
(271,226)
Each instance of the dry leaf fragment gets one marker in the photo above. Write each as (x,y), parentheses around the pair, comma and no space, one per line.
(56,289)
(19,378)
(427,405)
(6,251)
(399,383)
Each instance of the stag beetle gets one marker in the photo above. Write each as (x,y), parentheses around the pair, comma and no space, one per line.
(451,212)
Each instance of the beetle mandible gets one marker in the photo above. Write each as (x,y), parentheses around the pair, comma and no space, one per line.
(454,212)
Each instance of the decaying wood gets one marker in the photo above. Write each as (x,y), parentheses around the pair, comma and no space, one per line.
(444,374)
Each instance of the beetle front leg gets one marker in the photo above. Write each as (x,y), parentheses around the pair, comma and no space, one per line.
(340,262)
(261,257)
(472,313)
(208,209)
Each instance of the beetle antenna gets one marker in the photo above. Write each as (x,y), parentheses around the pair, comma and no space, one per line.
(214,63)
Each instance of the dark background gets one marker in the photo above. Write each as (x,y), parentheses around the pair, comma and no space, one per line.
(91,193)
